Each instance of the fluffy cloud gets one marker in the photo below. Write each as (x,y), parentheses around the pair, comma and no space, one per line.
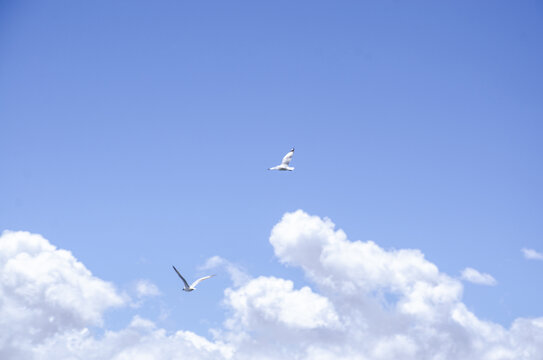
(268,300)
(348,268)
(48,301)
(393,303)
(366,303)
(44,291)
(531,254)
(141,340)
(270,319)
(472,275)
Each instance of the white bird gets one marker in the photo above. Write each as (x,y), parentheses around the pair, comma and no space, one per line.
(284,164)
(193,285)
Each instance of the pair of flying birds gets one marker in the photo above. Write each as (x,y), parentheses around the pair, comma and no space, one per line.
(283,167)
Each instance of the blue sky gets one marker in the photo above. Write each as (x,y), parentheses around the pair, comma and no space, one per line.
(136,135)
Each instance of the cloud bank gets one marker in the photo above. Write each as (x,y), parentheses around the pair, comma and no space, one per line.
(365,303)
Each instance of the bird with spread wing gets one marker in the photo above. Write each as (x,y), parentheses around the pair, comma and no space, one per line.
(285,163)
(193,285)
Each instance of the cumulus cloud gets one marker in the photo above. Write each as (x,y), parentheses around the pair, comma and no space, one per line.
(474,276)
(44,291)
(269,300)
(340,266)
(141,339)
(531,254)
(365,302)
(392,303)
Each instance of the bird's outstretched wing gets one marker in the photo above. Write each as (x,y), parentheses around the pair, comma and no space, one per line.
(193,285)
(288,157)
(182,278)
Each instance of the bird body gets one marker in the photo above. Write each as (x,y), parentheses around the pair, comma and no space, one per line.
(192,286)
(285,163)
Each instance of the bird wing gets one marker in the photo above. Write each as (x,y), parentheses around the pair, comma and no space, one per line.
(182,278)
(288,157)
(193,285)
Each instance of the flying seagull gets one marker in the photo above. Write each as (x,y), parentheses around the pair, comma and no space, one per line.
(193,285)
(284,164)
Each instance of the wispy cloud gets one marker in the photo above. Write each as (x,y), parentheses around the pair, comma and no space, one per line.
(531,254)
(474,276)
(145,288)
(238,275)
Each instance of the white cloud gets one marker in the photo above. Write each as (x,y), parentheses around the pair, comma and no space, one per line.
(426,317)
(531,254)
(141,340)
(271,300)
(145,288)
(366,303)
(44,291)
(472,275)
(236,273)
(358,268)
(142,290)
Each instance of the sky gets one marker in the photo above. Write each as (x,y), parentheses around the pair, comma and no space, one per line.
(136,135)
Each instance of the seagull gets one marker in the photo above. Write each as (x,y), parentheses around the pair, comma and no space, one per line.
(284,164)
(193,285)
